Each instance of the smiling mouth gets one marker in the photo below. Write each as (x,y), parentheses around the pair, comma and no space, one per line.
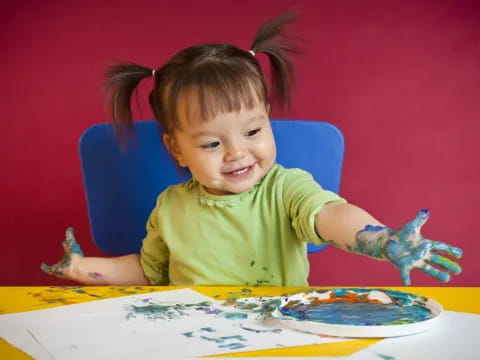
(240,171)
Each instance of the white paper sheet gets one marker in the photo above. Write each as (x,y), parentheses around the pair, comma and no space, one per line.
(457,336)
(116,329)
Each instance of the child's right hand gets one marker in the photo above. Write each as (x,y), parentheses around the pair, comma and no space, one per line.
(73,254)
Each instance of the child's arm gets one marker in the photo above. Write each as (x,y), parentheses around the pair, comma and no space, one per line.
(352,229)
(122,270)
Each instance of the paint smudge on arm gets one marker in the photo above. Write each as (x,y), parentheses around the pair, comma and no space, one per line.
(94,275)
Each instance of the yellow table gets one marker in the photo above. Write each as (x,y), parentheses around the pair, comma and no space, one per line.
(16,299)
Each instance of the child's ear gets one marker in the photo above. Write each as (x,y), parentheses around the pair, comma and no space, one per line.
(172,147)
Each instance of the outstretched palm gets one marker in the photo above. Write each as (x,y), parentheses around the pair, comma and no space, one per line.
(407,249)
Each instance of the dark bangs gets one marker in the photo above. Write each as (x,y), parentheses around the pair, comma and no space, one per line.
(225,79)
(213,78)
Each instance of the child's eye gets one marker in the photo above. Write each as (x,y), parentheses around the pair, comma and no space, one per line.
(211,145)
(253,132)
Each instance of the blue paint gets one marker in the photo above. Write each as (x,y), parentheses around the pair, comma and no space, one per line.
(222,341)
(354,307)
(71,247)
(385,357)
(234,337)
(343,313)
(232,346)
(207,329)
(154,311)
(79,291)
(235,316)
(374,228)
(210,310)
(217,340)
(407,249)
(258,331)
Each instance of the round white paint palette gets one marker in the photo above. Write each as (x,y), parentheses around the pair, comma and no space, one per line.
(359,312)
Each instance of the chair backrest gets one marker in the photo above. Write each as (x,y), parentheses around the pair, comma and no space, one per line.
(122,185)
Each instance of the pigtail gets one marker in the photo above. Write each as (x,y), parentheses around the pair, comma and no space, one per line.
(121,81)
(271,41)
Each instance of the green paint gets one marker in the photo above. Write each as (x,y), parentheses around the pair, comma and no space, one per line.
(257,331)
(212,339)
(207,329)
(234,337)
(263,306)
(235,316)
(252,263)
(79,291)
(243,292)
(261,282)
(162,312)
(127,292)
(232,346)
(385,357)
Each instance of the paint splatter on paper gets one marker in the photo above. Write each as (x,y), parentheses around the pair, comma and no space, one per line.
(155,311)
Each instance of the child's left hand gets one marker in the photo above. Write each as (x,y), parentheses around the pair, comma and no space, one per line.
(407,249)
(65,267)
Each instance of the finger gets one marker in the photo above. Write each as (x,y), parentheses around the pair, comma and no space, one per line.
(446,263)
(69,234)
(46,268)
(69,239)
(450,250)
(56,269)
(70,245)
(420,219)
(405,273)
(443,276)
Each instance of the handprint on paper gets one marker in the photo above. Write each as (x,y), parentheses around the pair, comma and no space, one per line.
(407,249)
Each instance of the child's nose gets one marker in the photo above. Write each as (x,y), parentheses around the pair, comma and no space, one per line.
(234,152)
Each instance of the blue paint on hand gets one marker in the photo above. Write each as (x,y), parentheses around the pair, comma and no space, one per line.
(72,250)
(407,249)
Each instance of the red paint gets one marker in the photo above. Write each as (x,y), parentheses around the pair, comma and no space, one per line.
(399,78)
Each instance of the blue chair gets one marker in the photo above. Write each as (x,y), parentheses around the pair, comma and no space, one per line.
(122,185)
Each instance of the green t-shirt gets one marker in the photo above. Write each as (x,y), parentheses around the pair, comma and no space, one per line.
(254,238)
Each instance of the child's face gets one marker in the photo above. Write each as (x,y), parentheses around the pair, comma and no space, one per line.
(229,153)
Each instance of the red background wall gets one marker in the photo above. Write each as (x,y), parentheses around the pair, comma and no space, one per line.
(399,78)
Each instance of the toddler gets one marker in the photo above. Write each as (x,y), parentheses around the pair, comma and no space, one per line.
(242,219)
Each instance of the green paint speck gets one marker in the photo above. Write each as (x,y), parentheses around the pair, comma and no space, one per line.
(207,329)
(79,291)
(385,357)
(235,316)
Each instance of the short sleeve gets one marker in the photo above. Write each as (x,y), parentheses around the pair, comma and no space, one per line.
(304,198)
(154,255)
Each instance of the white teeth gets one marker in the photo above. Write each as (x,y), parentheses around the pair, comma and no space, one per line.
(241,171)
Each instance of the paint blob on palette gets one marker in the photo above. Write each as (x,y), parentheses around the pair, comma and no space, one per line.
(358,312)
